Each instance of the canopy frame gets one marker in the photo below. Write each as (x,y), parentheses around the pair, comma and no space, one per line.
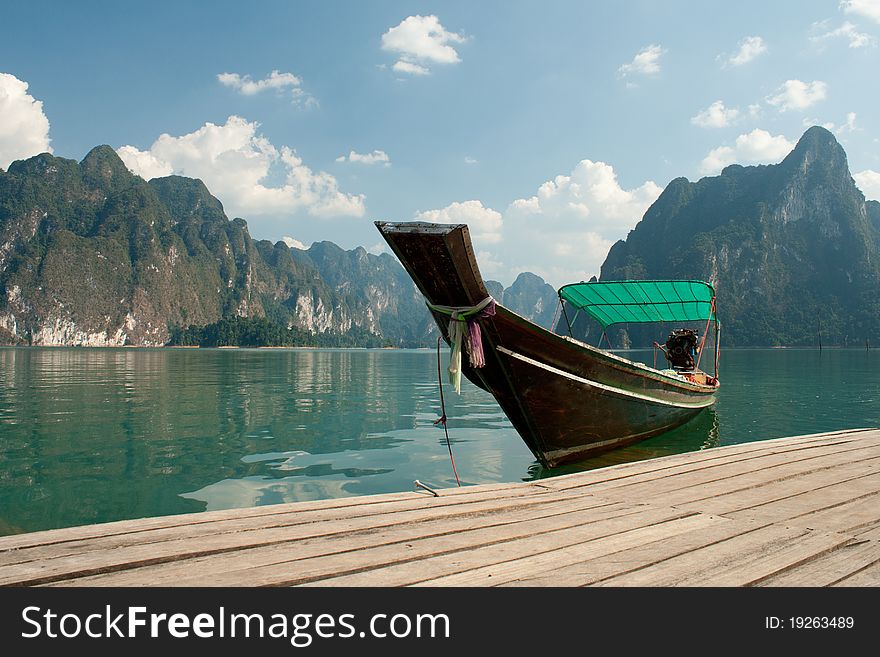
(630,301)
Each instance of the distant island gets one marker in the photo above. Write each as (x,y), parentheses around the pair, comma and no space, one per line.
(93,255)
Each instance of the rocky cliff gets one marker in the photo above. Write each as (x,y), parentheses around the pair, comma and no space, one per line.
(93,255)
(793,248)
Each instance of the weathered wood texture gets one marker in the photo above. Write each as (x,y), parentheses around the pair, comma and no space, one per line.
(802,511)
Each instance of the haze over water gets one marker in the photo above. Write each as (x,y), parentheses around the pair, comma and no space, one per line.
(94,435)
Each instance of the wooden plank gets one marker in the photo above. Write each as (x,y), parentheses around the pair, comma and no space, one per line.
(410,509)
(848,517)
(85,532)
(699,488)
(734,476)
(68,565)
(629,559)
(830,569)
(869,576)
(536,553)
(676,464)
(868,533)
(585,528)
(800,508)
(690,477)
(770,561)
(777,497)
(280,567)
(722,557)
(538,558)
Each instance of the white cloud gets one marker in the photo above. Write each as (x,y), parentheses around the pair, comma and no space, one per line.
(294,243)
(490,266)
(755,147)
(276,80)
(798,95)
(847,126)
(573,219)
(867,8)
(412,68)
(470,160)
(24,128)
(484,223)
(846,31)
(234,162)
(869,182)
(376,157)
(144,163)
(591,190)
(749,48)
(715,116)
(646,62)
(419,41)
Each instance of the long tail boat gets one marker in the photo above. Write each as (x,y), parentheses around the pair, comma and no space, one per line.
(566,399)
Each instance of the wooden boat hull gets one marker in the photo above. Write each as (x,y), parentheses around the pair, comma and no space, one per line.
(566,399)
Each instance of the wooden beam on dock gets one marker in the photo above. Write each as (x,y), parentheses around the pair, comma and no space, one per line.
(801,511)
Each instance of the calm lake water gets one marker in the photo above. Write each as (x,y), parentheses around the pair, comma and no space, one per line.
(93,435)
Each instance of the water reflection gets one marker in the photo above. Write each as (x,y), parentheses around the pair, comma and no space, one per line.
(91,435)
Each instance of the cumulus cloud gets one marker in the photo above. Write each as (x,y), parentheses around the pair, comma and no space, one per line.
(376,157)
(646,62)
(755,147)
(869,182)
(490,266)
(749,48)
(280,82)
(573,219)
(234,161)
(847,31)
(294,243)
(715,116)
(420,41)
(144,163)
(591,190)
(849,125)
(24,128)
(484,223)
(867,8)
(798,95)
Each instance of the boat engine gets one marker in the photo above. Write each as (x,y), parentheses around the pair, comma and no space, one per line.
(681,347)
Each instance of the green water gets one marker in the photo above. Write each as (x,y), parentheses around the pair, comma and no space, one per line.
(92,435)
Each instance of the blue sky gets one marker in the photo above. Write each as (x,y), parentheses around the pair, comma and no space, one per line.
(549,127)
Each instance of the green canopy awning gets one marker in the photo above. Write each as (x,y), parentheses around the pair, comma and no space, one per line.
(616,302)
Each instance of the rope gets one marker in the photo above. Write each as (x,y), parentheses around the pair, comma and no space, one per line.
(442,419)
(463,317)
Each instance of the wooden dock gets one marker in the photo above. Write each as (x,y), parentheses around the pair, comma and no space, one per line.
(787,512)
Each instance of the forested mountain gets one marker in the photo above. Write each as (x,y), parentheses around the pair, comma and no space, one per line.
(91,254)
(792,248)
